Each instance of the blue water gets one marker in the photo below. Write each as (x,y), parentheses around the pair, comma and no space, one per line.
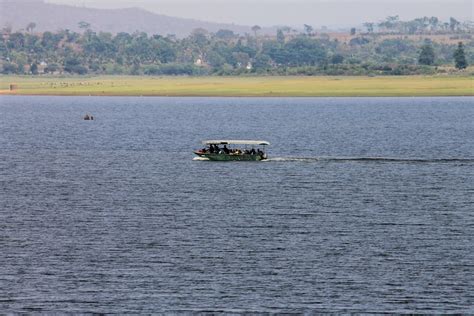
(366,205)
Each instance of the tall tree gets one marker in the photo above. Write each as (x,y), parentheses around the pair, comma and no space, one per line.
(225,34)
(34,68)
(308,29)
(30,27)
(427,55)
(255,29)
(200,39)
(390,22)
(460,57)
(453,24)
(280,36)
(434,21)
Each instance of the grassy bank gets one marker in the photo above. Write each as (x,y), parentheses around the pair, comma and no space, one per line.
(241,86)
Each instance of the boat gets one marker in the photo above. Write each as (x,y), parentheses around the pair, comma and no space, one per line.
(233,150)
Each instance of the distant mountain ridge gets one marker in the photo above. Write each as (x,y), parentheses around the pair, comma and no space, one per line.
(52,17)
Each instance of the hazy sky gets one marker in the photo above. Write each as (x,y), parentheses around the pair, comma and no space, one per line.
(292,12)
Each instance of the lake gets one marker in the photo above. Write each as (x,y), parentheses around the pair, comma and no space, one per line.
(365,205)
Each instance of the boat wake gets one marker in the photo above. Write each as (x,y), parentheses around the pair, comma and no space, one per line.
(371,159)
(201,159)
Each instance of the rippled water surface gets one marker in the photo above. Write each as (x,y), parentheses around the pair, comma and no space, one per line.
(367,204)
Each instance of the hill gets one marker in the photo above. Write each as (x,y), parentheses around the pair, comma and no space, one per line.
(52,17)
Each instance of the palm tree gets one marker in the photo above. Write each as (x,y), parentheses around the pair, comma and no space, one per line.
(255,29)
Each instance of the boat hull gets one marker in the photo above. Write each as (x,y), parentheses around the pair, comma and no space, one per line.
(230,157)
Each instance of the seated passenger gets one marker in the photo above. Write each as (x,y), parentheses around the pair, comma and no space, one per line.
(225,149)
(252,151)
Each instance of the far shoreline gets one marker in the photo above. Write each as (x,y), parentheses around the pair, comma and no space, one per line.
(265,87)
(232,96)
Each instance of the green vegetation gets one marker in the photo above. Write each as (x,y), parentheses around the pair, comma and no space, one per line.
(240,86)
(423,25)
(460,57)
(391,47)
(427,55)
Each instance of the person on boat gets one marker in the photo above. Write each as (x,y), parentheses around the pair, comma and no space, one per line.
(252,151)
(226,150)
(217,150)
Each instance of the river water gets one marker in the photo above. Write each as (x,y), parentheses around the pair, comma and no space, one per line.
(367,204)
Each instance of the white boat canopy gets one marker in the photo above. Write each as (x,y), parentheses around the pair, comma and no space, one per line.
(235,142)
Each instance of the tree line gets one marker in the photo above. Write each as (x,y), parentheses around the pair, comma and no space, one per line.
(226,53)
(424,25)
